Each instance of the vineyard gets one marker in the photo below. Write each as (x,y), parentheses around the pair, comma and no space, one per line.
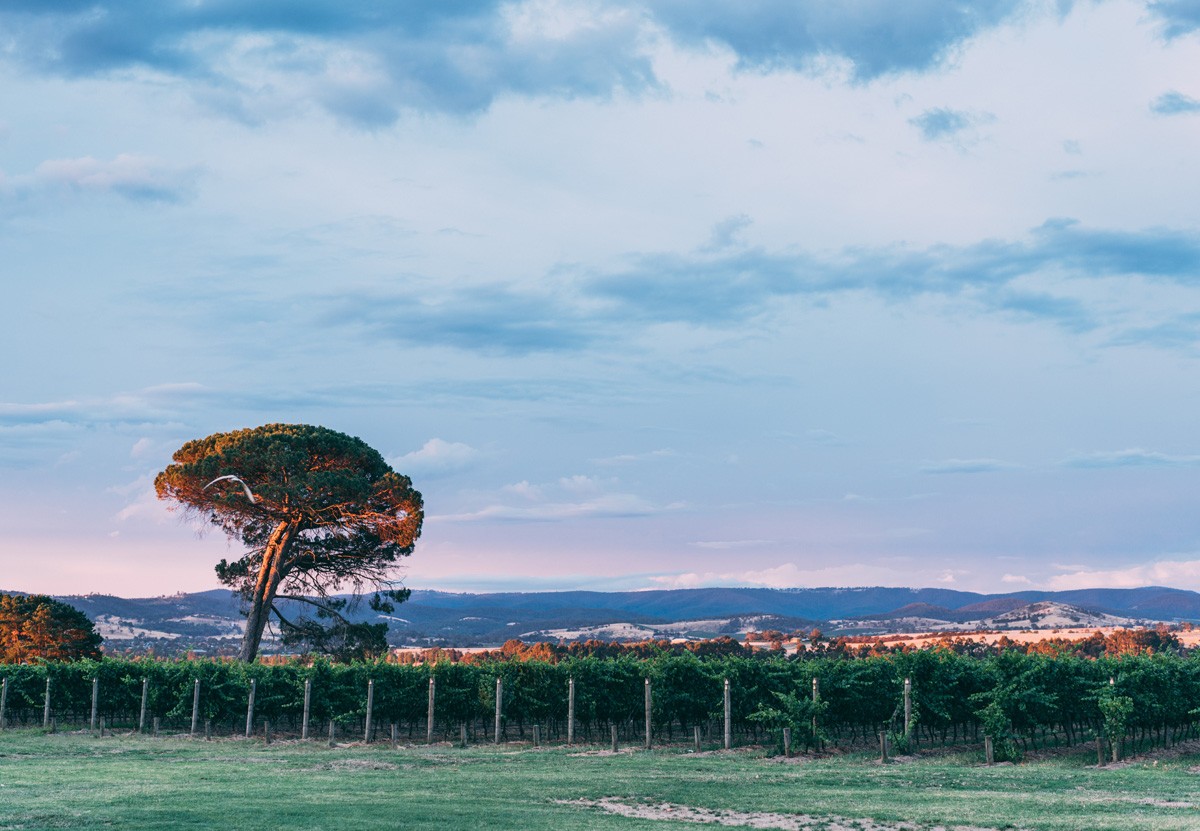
(1021,702)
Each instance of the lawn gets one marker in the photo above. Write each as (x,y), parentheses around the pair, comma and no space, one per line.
(73,780)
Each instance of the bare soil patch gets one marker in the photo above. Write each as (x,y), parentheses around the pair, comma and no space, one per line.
(749,819)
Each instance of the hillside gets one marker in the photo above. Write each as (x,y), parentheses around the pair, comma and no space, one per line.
(210,621)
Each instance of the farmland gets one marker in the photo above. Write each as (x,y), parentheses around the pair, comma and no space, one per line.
(79,781)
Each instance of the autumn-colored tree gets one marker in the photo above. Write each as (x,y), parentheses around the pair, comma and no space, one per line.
(319,512)
(36,627)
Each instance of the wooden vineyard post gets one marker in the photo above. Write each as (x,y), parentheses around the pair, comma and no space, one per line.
(907,707)
(267,731)
(95,704)
(570,710)
(102,727)
(883,746)
(499,704)
(145,701)
(649,702)
(614,738)
(157,723)
(816,699)
(332,733)
(3,702)
(462,733)
(208,730)
(250,709)
(370,710)
(989,752)
(395,736)
(537,735)
(728,718)
(787,742)
(195,706)
(307,708)
(429,713)
(696,736)
(46,706)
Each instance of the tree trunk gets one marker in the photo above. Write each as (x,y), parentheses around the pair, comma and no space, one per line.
(270,575)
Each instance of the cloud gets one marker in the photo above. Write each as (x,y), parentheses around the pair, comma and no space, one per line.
(568,498)
(634,458)
(967,466)
(787,575)
(364,64)
(1175,103)
(436,457)
(574,309)
(874,38)
(731,545)
(1180,574)
(941,123)
(1179,17)
(136,178)
(486,319)
(1019,579)
(1133,457)
(368,64)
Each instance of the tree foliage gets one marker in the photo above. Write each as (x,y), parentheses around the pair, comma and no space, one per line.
(35,627)
(318,511)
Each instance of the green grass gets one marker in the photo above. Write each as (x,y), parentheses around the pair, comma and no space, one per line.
(76,781)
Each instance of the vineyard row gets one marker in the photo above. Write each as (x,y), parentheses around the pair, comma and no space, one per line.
(1021,701)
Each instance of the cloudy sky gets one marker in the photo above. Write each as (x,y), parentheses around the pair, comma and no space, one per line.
(641,294)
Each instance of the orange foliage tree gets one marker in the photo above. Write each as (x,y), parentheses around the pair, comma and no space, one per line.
(36,627)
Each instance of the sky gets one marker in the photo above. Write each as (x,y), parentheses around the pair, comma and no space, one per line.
(640,294)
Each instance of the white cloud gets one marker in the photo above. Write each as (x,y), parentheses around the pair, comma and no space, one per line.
(967,466)
(632,458)
(1180,574)
(789,575)
(726,545)
(1132,457)
(1016,578)
(606,505)
(139,178)
(436,457)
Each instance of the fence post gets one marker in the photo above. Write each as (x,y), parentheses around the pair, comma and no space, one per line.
(46,706)
(648,708)
(787,742)
(331,733)
(395,736)
(816,699)
(208,730)
(250,708)
(883,746)
(157,721)
(195,707)
(429,714)
(370,710)
(728,718)
(102,727)
(267,731)
(499,699)
(3,702)
(462,733)
(537,735)
(614,738)
(696,736)
(95,704)
(907,707)
(989,751)
(145,700)
(307,708)
(570,710)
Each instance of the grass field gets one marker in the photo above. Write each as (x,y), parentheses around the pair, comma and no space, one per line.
(73,780)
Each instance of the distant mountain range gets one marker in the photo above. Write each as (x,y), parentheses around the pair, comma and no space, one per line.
(211,621)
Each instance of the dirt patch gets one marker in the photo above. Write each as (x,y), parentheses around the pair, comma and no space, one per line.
(748,819)
(622,752)
(360,764)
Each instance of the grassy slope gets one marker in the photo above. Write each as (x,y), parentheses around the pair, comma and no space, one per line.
(75,781)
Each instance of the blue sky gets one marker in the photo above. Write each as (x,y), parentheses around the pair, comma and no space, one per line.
(640,294)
